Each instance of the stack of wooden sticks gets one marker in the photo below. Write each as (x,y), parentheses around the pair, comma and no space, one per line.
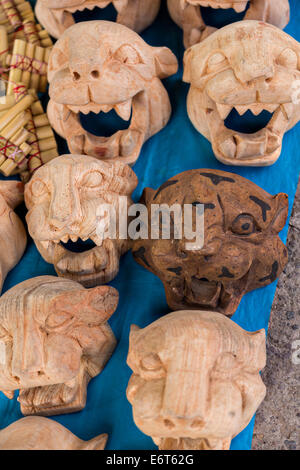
(17,17)
(26,138)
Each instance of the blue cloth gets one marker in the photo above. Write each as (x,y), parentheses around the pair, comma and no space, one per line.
(176,148)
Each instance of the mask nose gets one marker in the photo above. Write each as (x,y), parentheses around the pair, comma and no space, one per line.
(82,72)
(189,368)
(28,355)
(65,209)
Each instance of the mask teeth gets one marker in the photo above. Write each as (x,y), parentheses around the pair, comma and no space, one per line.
(124,109)
(241,109)
(238,7)
(255,108)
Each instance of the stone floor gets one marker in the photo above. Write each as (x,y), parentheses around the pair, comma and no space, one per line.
(278,419)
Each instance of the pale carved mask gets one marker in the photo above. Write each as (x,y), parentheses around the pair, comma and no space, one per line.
(99,66)
(13,237)
(62,200)
(187,14)
(54,338)
(38,433)
(247,66)
(241,252)
(195,382)
(56,16)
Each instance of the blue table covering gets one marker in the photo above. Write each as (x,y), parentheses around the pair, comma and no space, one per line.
(176,148)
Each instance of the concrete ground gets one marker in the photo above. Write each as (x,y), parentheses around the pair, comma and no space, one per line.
(278,419)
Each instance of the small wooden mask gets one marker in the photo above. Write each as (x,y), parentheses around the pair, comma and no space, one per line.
(187,14)
(99,66)
(246,66)
(38,433)
(54,338)
(56,15)
(241,252)
(63,198)
(195,382)
(13,237)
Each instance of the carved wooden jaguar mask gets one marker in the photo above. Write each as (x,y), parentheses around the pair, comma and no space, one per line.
(54,338)
(247,65)
(62,199)
(187,14)
(241,251)
(195,382)
(56,16)
(98,66)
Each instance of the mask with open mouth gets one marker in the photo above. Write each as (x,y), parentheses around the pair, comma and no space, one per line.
(13,237)
(241,251)
(247,66)
(98,66)
(195,382)
(38,433)
(63,198)
(187,14)
(57,15)
(54,338)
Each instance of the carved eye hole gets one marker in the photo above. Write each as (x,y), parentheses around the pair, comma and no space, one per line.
(128,55)
(58,320)
(151,363)
(38,188)
(91,180)
(288,58)
(243,225)
(216,62)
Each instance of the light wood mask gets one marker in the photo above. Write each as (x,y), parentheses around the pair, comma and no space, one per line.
(13,236)
(110,67)
(38,433)
(63,197)
(54,338)
(57,15)
(247,65)
(195,382)
(187,15)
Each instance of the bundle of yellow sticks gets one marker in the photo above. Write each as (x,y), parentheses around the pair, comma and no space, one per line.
(26,137)
(17,17)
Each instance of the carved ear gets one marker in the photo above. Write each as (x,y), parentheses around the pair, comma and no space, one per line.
(187,64)
(147,195)
(58,58)
(258,342)
(134,328)
(8,393)
(13,192)
(281,212)
(124,181)
(165,62)
(134,331)
(104,299)
(98,443)
(92,305)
